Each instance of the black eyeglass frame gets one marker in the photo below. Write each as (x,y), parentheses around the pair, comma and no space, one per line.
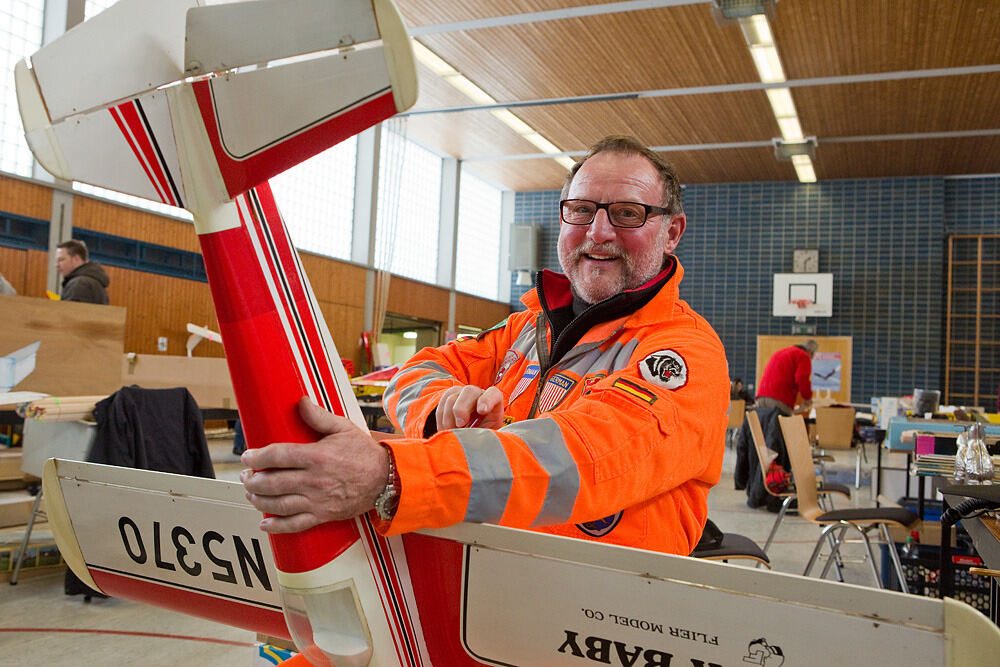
(655,210)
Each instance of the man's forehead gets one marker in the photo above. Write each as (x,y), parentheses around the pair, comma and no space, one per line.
(617,170)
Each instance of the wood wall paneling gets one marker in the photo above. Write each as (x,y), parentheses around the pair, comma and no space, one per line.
(104,216)
(473,311)
(21,197)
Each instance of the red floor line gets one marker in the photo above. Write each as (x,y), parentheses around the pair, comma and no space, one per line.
(131,633)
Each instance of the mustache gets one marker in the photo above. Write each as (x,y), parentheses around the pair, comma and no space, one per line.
(591,248)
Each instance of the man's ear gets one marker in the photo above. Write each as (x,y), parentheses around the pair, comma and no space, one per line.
(674,232)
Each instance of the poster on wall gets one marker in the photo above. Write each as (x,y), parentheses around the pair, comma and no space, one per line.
(826,371)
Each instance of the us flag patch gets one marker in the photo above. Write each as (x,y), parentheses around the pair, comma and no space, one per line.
(635,390)
(529,374)
(555,390)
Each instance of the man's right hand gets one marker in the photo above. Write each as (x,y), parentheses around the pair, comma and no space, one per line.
(461,406)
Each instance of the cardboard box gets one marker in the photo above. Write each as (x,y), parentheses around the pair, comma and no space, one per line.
(81,344)
(15,508)
(930,533)
(207,378)
(10,465)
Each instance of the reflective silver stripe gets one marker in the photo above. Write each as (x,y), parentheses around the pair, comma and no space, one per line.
(411,392)
(545,440)
(525,341)
(492,477)
(615,358)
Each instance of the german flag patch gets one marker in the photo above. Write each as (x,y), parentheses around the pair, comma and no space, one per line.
(636,390)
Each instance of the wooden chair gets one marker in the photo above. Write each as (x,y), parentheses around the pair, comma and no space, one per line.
(765,456)
(737,408)
(835,430)
(862,519)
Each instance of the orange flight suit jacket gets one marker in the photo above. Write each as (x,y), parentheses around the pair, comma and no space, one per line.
(618,440)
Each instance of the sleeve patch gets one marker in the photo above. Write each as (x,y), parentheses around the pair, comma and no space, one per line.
(665,368)
(635,390)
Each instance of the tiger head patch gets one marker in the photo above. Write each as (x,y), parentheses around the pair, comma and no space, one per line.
(665,368)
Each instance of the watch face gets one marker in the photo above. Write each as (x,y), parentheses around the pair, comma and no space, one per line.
(806,261)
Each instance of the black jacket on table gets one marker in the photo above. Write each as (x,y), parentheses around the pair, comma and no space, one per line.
(152,429)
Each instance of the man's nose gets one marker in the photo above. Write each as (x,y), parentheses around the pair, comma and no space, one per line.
(601,228)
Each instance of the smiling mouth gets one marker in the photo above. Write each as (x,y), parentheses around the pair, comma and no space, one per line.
(601,258)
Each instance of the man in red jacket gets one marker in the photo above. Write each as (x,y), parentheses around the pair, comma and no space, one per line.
(599,412)
(787,374)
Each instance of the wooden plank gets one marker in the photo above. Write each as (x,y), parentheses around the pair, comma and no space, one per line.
(81,346)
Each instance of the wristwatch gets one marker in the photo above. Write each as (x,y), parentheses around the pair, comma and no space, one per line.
(388,500)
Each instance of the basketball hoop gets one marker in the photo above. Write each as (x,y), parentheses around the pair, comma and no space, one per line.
(801,304)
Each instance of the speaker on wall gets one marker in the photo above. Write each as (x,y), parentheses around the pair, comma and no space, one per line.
(523,248)
(523,252)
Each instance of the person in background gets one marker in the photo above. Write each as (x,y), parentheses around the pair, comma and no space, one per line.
(738,392)
(599,412)
(788,373)
(83,280)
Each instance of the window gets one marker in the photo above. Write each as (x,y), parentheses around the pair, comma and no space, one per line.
(20,36)
(477,267)
(409,207)
(316,199)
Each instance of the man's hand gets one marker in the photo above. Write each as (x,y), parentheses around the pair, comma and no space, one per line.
(304,485)
(459,407)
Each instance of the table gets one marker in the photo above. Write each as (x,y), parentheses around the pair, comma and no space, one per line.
(985,534)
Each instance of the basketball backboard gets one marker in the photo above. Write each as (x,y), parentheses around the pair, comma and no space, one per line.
(792,289)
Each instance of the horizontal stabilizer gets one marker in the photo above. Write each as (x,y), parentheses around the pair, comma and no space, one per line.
(221,37)
(184,543)
(97,108)
(130,48)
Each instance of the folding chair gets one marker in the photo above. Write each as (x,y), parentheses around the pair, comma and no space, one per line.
(861,519)
(766,456)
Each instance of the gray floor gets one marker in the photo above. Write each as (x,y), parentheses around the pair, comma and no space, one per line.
(39,625)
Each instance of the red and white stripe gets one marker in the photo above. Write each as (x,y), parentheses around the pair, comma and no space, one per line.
(135,128)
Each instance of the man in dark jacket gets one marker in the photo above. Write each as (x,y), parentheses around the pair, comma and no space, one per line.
(83,280)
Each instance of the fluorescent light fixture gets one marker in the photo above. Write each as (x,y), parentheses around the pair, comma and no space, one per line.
(768,63)
(480,96)
(757,30)
(512,121)
(804,168)
(542,143)
(791,130)
(431,60)
(781,102)
(469,89)
(566,161)
(410,335)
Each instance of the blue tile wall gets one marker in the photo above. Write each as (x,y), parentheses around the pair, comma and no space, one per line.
(883,239)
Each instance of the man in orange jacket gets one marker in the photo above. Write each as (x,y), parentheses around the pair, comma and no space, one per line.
(598,413)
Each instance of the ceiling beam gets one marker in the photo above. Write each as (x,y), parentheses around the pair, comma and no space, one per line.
(722,88)
(956,134)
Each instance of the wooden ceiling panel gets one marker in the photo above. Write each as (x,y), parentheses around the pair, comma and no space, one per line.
(595,55)
(729,166)
(901,107)
(823,38)
(521,175)
(928,157)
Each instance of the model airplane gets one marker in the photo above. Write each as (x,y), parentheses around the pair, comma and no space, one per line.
(198,106)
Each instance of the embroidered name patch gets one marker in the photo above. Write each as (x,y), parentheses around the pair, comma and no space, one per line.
(601,527)
(665,368)
(555,391)
(636,390)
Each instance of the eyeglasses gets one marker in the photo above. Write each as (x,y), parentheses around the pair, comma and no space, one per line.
(627,214)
